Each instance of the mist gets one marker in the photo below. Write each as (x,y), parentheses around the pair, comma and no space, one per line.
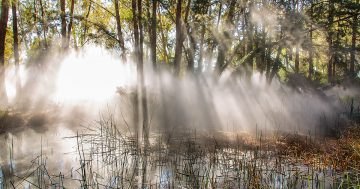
(92,84)
(91,81)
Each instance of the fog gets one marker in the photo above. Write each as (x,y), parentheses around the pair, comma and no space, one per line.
(57,102)
(87,82)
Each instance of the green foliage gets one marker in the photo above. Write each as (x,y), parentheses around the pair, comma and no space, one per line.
(256,25)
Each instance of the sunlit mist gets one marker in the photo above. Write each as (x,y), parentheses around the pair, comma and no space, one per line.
(10,81)
(92,75)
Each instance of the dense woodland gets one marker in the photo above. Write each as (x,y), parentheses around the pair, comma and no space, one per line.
(318,39)
(312,41)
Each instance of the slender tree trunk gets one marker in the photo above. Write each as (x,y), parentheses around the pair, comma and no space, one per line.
(83,38)
(136,45)
(75,40)
(136,94)
(297,59)
(63,23)
(143,95)
(119,30)
(163,41)
(311,54)
(22,30)
(192,51)
(250,37)
(250,34)
(262,67)
(243,32)
(70,25)
(257,46)
(219,15)
(220,60)
(201,53)
(353,45)
(226,44)
(190,34)
(3,25)
(277,61)
(142,77)
(179,38)
(330,42)
(153,34)
(43,22)
(16,47)
(192,40)
(268,61)
(214,43)
(38,33)
(276,66)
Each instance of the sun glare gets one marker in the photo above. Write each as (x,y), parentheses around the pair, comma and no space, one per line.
(92,76)
(10,81)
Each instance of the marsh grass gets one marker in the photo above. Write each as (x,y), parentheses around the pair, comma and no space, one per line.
(108,157)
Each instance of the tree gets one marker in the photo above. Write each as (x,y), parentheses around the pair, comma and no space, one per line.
(153,34)
(250,31)
(38,32)
(44,23)
(119,30)
(63,24)
(85,24)
(3,26)
(310,51)
(353,44)
(225,42)
(330,34)
(179,38)
(16,46)
(70,25)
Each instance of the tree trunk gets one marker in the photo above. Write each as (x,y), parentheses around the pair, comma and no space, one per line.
(142,77)
(330,42)
(353,45)
(179,38)
(119,30)
(16,47)
(3,25)
(136,45)
(43,22)
(311,54)
(38,33)
(276,66)
(63,24)
(297,59)
(143,95)
(192,50)
(262,65)
(136,94)
(75,40)
(224,45)
(153,34)
(83,38)
(250,63)
(191,35)
(201,53)
(22,30)
(70,23)
(163,41)
(268,61)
